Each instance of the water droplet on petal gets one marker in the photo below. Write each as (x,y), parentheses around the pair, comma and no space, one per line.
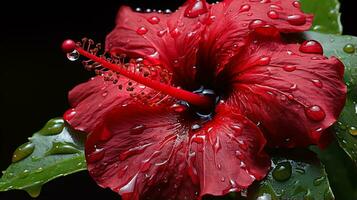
(175,33)
(141,30)
(264,60)
(289,68)
(195,127)
(311,46)
(178,108)
(69,114)
(296,4)
(73,56)
(273,14)
(297,19)
(154,20)
(196,8)
(161,33)
(282,171)
(317,83)
(23,152)
(95,156)
(138,129)
(256,24)
(129,188)
(349,48)
(315,113)
(244,8)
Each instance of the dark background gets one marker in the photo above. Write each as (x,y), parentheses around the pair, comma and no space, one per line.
(36,76)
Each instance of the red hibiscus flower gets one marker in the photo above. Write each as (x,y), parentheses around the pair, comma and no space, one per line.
(212,85)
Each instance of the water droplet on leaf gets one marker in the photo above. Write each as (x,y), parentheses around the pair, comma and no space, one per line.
(52,127)
(62,148)
(23,151)
(349,48)
(282,171)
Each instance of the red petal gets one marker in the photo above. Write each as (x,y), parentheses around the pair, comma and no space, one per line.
(150,153)
(168,39)
(145,155)
(293,96)
(90,101)
(231,155)
(232,20)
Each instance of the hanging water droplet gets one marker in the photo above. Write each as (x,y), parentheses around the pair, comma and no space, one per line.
(34,191)
(282,171)
(62,148)
(315,113)
(53,127)
(23,152)
(73,56)
(349,48)
(353,130)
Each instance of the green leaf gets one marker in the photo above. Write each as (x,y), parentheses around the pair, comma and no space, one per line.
(344,47)
(52,152)
(342,173)
(326,15)
(295,175)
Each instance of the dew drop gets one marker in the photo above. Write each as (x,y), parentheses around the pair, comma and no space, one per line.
(195,127)
(256,24)
(178,108)
(317,83)
(62,148)
(282,171)
(34,191)
(23,152)
(95,156)
(52,127)
(137,129)
(223,179)
(319,180)
(196,8)
(349,48)
(273,14)
(353,130)
(133,151)
(161,33)
(265,196)
(289,68)
(296,20)
(296,4)
(175,33)
(244,8)
(73,56)
(311,46)
(69,114)
(141,30)
(154,20)
(315,113)
(129,187)
(264,60)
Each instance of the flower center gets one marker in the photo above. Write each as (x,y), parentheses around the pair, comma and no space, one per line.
(120,66)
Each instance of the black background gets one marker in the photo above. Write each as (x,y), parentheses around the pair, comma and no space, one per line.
(36,76)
